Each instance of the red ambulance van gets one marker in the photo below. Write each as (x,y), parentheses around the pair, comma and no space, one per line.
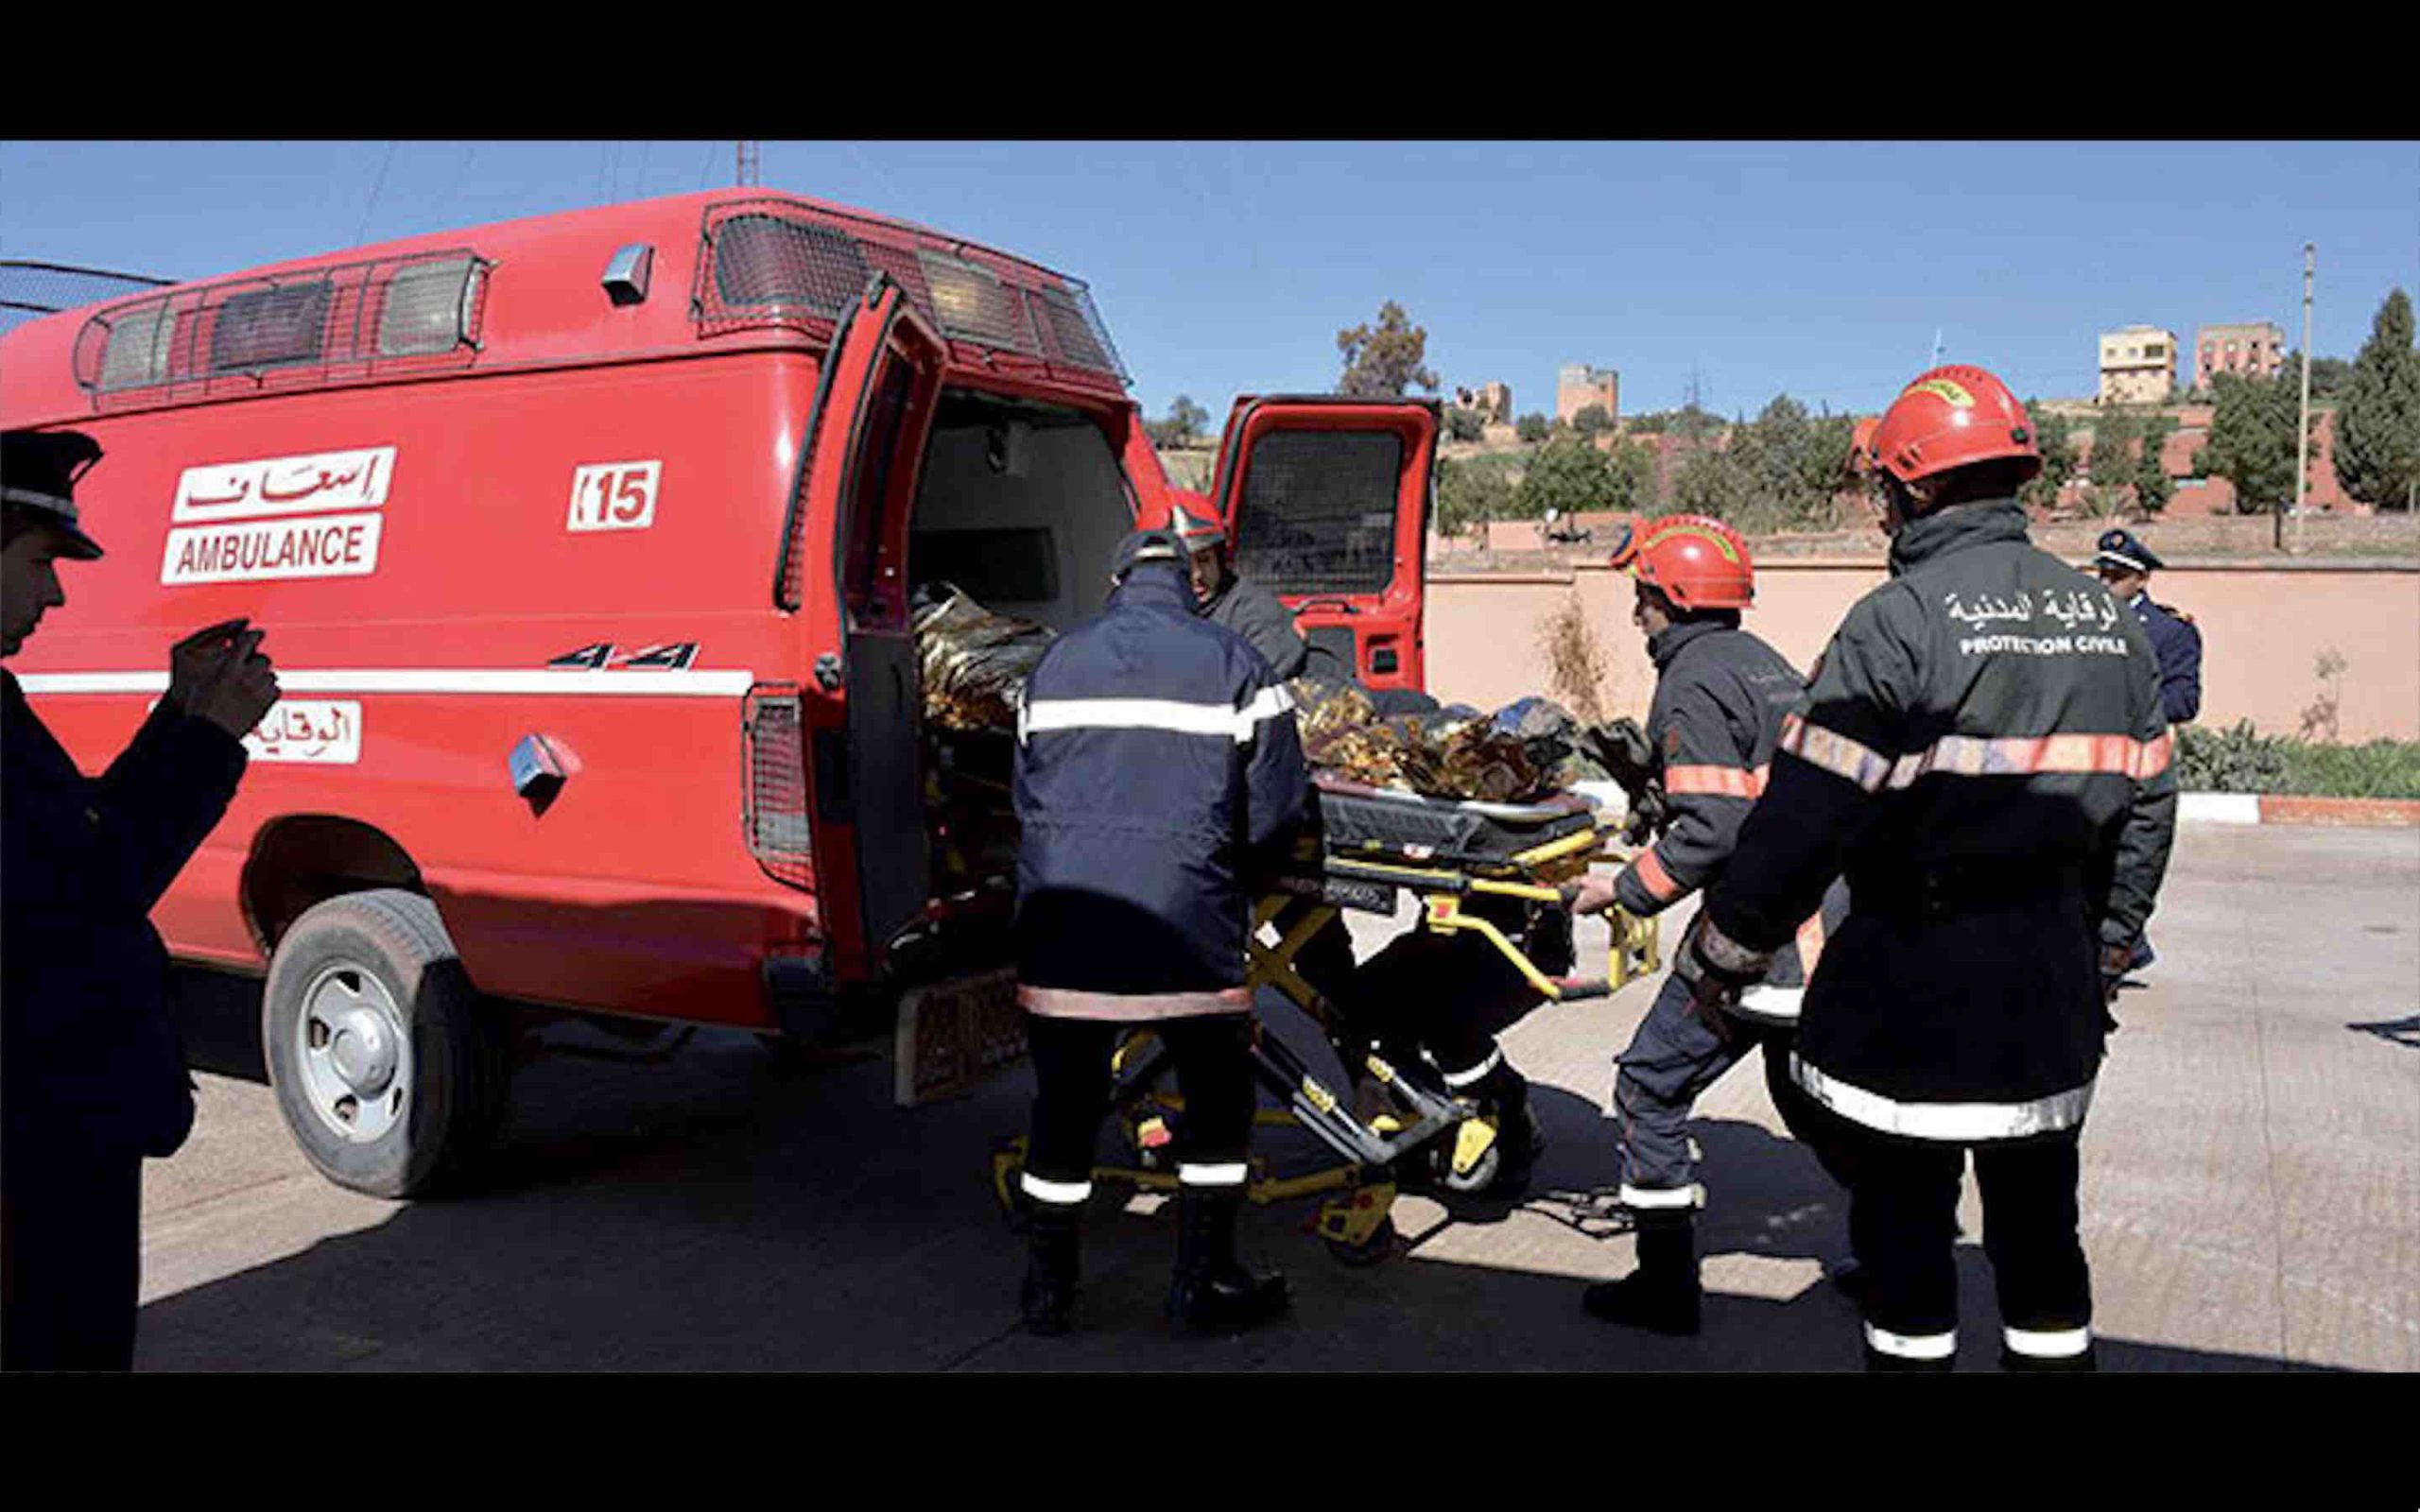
(585,545)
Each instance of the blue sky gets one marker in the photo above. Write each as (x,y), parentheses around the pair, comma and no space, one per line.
(1821,269)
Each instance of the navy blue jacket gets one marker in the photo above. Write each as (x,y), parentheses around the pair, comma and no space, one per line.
(1159,777)
(90,1057)
(2179,645)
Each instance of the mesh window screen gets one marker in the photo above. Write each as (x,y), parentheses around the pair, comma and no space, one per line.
(972,304)
(426,307)
(267,328)
(765,262)
(1319,511)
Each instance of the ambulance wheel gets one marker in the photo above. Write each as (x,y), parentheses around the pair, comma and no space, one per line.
(1370,1251)
(389,1070)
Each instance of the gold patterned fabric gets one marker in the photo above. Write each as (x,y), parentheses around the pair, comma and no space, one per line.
(975,661)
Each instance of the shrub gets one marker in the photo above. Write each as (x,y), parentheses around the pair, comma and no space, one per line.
(2239,760)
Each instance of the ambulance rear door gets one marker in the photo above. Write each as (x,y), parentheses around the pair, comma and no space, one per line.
(1326,499)
(866,439)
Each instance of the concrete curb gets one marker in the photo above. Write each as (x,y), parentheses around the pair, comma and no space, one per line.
(2271,808)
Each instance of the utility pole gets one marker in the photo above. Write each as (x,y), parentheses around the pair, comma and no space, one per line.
(2302,427)
(745,152)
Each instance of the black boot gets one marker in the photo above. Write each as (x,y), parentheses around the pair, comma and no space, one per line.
(1212,1293)
(1047,1297)
(1661,1294)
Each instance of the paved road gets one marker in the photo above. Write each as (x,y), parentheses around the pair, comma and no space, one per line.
(2252,1197)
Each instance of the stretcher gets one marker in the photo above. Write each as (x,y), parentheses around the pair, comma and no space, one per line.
(1375,846)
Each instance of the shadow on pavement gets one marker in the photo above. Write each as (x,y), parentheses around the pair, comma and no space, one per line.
(718,1211)
(2404,1032)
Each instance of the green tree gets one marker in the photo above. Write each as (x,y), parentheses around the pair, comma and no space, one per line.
(2377,425)
(1567,475)
(1592,419)
(2251,441)
(1183,422)
(1465,425)
(1789,463)
(2116,436)
(1381,361)
(1711,482)
(1469,495)
(2055,436)
(2153,488)
(2329,376)
(1531,428)
(1630,470)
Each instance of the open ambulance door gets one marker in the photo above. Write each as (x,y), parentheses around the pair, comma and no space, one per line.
(865,444)
(1326,500)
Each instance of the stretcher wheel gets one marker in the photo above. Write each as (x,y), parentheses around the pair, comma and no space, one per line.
(1477,1178)
(1370,1251)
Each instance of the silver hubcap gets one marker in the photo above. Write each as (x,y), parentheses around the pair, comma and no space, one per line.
(355,1053)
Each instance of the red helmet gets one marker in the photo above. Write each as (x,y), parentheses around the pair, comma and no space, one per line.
(1951,416)
(1697,562)
(1195,523)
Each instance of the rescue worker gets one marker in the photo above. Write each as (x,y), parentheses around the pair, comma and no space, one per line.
(1228,598)
(1983,754)
(1158,774)
(1721,696)
(94,1075)
(2126,565)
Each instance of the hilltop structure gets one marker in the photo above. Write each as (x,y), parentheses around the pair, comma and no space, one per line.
(2137,365)
(2254,350)
(1577,385)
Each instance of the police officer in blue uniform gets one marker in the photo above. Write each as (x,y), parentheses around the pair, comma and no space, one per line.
(2126,565)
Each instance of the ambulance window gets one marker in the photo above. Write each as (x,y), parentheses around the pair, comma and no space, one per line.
(428,307)
(870,583)
(268,328)
(138,351)
(1319,511)
(764,260)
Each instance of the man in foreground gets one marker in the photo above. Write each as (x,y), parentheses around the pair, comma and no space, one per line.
(1158,778)
(94,1075)
(1985,756)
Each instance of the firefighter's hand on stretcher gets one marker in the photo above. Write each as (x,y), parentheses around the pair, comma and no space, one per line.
(1589,894)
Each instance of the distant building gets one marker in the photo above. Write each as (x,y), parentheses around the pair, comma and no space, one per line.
(2137,365)
(1577,385)
(2256,350)
(1492,402)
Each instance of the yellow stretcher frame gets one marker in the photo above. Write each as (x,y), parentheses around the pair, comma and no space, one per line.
(1355,1219)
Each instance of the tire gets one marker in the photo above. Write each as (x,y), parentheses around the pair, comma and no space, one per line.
(389,1070)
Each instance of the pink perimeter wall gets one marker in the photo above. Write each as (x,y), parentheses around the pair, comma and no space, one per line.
(2263,627)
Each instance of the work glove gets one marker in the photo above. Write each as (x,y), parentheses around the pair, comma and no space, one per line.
(1716,969)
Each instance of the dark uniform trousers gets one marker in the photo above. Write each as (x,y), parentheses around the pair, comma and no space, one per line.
(1903,1225)
(70,1257)
(1071,1067)
(1674,1056)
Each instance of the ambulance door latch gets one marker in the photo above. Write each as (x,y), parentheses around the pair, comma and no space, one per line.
(827,671)
(538,768)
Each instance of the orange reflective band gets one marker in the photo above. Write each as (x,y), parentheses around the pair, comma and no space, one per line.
(1811,946)
(1978,756)
(2028,755)
(1834,752)
(1652,876)
(1723,781)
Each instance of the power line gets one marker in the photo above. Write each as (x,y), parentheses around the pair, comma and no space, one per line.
(376,184)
